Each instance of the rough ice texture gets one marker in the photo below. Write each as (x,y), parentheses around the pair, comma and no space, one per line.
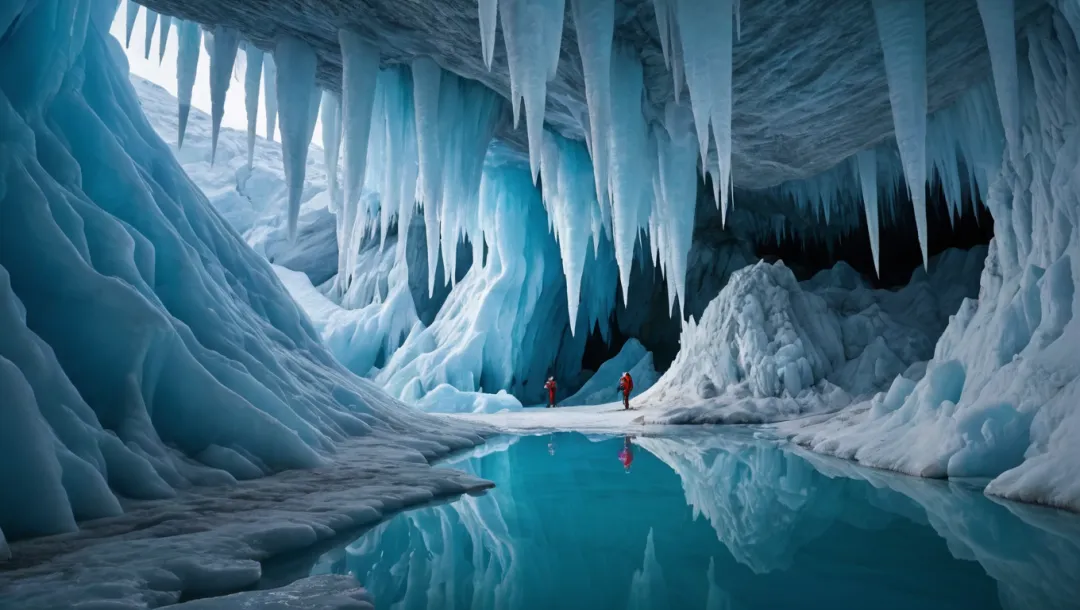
(602,387)
(999,397)
(137,331)
(770,348)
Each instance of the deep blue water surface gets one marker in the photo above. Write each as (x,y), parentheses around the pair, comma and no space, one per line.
(715,520)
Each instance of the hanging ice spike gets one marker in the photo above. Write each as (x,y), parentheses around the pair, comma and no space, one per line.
(252,78)
(148,40)
(296,63)
(901,27)
(488,10)
(867,168)
(998,18)
(163,39)
(330,114)
(595,21)
(132,14)
(270,94)
(187,64)
(225,44)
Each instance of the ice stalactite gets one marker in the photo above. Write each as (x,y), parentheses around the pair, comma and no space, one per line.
(631,167)
(998,19)
(131,15)
(270,94)
(189,40)
(163,36)
(426,80)
(488,13)
(252,78)
(595,22)
(296,63)
(868,179)
(901,26)
(330,113)
(360,69)
(678,181)
(705,29)
(226,43)
(532,31)
(151,22)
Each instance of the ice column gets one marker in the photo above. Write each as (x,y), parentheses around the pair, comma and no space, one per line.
(187,62)
(901,26)
(226,42)
(866,162)
(252,77)
(296,63)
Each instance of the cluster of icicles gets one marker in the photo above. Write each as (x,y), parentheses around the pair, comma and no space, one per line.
(420,136)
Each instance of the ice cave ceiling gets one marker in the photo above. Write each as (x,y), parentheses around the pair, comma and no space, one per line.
(809,79)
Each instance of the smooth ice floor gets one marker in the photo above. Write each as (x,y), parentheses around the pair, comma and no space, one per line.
(714,519)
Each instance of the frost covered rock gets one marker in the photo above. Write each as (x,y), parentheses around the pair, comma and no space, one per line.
(602,387)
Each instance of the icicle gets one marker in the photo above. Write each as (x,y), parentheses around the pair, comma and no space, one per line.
(998,23)
(252,77)
(738,20)
(677,151)
(151,22)
(270,93)
(426,78)
(706,32)
(360,68)
(902,29)
(488,10)
(132,14)
(661,9)
(296,63)
(532,30)
(226,42)
(166,25)
(331,137)
(187,63)
(595,22)
(867,168)
(630,171)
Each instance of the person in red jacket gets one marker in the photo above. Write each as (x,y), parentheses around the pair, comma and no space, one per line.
(626,385)
(626,455)
(551,386)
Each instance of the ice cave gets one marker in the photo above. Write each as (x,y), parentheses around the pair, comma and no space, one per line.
(523,304)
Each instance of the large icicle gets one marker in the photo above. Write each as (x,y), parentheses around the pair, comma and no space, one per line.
(359,71)
(226,42)
(532,30)
(901,27)
(296,63)
(631,173)
(595,23)
(705,28)
(426,78)
(187,63)
(488,10)
(270,94)
(252,77)
(330,116)
(677,153)
(151,22)
(998,22)
(132,14)
(163,40)
(866,162)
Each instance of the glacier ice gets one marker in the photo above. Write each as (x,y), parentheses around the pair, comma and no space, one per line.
(163,339)
(602,387)
(299,105)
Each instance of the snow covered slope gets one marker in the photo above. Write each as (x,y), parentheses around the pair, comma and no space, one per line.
(770,348)
(144,348)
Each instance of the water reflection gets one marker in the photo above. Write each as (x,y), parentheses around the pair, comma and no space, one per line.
(711,520)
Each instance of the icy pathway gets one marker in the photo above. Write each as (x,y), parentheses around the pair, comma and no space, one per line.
(606,418)
(210,540)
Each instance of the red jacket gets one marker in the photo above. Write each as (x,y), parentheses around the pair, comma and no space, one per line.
(626,383)
(551,386)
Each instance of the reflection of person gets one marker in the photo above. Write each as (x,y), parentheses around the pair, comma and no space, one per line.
(551,445)
(626,455)
(551,387)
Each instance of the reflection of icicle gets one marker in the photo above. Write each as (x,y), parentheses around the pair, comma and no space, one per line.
(648,591)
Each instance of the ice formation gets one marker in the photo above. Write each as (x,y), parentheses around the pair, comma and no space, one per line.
(299,106)
(252,79)
(226,43)
(189,41)
(602,387)
(172,355)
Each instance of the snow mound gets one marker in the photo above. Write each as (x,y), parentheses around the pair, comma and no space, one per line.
(602,387)
(770,348)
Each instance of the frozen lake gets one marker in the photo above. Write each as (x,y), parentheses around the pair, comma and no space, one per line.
(711,519)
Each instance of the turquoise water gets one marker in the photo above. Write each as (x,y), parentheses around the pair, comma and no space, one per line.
(712,520)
